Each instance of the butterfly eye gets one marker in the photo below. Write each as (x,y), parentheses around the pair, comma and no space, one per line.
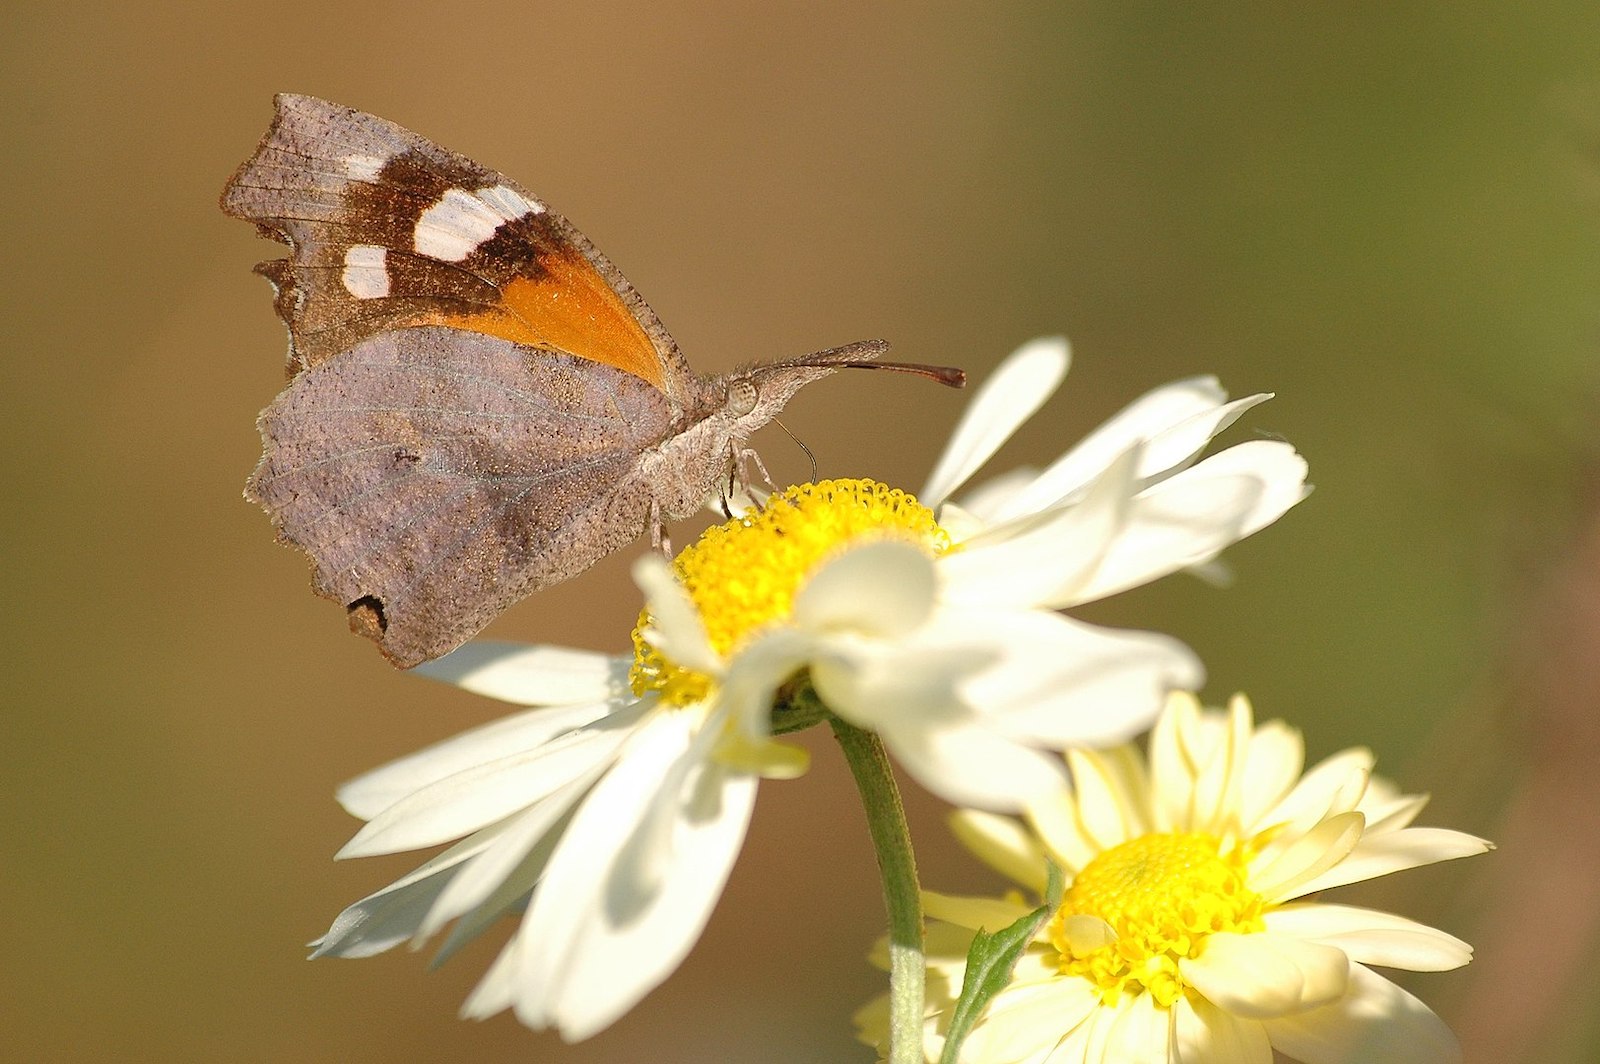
(741,397)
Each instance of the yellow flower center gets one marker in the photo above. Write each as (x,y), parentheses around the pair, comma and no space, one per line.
(1161,895)
(743,575)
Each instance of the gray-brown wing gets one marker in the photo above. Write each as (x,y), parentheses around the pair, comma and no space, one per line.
(388,229)
(436,476)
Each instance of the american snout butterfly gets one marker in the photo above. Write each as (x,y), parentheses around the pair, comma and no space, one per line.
(479,404)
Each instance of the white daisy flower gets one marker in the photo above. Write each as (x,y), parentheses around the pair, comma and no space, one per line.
(614,809)
(624,807)
(1187,932)
(954,652)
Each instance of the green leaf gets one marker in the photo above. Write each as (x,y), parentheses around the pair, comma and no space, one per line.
(990,961)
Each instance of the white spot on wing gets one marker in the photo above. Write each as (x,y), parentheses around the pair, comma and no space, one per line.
(366,273)
(362,167)
(452,228)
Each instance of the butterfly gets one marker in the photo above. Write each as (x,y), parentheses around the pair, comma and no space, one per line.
(479,404)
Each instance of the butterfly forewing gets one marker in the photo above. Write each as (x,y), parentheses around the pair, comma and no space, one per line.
(389,230)
(435,477)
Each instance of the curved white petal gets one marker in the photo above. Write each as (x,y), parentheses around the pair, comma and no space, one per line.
(1272,765)
(1027,1019)
(1153,416)
(1002,843)
(480,877)
(485,793)
(388,917)
(757,671)
(1375,1023)
(1143,1032)
(1017,388)
(676,628)
(968,764)
(1281,873)
(1047,558)
(1105,818)
(1263,975)
(1372,937)
(975,914)
(620,962)
(1205,1034)
(372,792)
(594,940)
(1060,682)
(530,675)
(884,589)
(1333,785)
(1394,852)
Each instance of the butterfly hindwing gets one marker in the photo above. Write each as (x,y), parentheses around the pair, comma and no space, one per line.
(435,477)
(389,230)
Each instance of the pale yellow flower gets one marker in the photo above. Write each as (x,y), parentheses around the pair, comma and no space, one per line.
(1187,932)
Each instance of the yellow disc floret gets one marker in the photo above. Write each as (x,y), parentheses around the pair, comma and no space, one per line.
(743,575)
(1161,895)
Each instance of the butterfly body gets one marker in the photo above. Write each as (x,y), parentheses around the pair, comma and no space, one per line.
(479,404)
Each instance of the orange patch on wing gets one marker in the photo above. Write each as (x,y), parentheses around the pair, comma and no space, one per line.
(569,308)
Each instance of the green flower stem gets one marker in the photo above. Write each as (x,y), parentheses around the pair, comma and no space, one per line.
(886,820)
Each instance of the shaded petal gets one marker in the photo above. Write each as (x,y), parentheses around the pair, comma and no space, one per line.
(1333,785)
(676,629)
(371,793)
(1263,975)
(1205,1034)
(480,878)
(884,589)
(1027,1019)
(1152,415)
(1394,852)
(966,763)
(482,794)
(1142,1032)
(973,913)
(1373,937)
(531,675)
(1103,815)
(1374,1023)
(1063,682)
(1017,388)
(595,940)
(1272,765)
(385,918)
(1280,873)
(1002,843)
(1047,558)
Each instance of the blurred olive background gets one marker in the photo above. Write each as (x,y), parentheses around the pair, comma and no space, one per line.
(1388,214)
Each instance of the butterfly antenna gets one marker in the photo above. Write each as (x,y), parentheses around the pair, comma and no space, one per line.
(802,445)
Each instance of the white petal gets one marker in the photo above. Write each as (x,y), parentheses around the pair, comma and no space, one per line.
(883,589)
(386,918)
(1205,1034)
(756,672)
(1062,682)
(1374,1023)
(1106,819)
(530,675)
(676,629)
(1047,558)
(485,793)
(1143,1032)
(1280,873)
(1275,464)
(620,962)
(967,764)
(1372,937)
(1002,843)
(478,880)
(371,793)
(1265,975)
(973,913)
(1017,388)
(1333,785)
(1023,1020)
(595,943)
(1272,765)
(1153,415)
(980,504)
(1394,852)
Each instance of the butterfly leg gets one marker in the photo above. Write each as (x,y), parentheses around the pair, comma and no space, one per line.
(659,540)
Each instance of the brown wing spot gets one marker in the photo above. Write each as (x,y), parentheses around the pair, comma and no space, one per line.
(367,617)
(567,307)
